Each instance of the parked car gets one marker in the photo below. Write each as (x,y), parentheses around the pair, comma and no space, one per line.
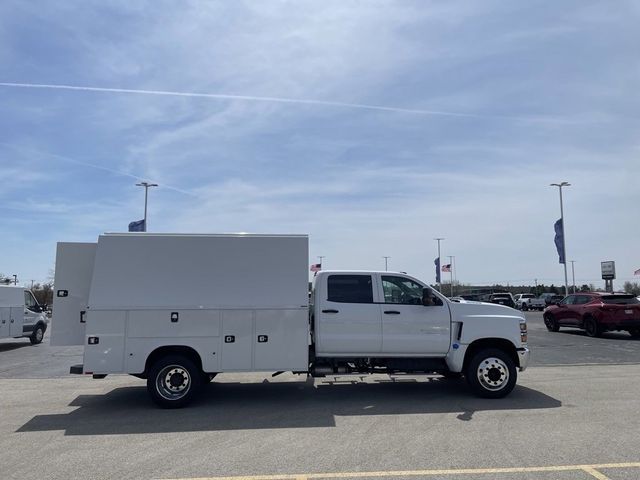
(528,301)
(554,299)
(595,313)
(502,299)
(458,299)
(20,314)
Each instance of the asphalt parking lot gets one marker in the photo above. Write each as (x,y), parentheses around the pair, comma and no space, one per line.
(572,416)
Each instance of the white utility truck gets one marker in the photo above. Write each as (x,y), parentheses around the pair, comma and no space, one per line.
(21,315)
(178,309)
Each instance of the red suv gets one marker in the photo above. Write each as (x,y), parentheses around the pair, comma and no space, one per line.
(595,313)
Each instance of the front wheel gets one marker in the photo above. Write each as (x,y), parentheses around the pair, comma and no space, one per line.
(491,373)
(525,307)
(37,335)
(173,381)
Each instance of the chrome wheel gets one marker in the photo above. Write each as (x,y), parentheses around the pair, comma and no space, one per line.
(173,382)
(493,373)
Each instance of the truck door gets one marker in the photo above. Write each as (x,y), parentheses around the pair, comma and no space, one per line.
(31,309)
(74,268)
(347,319)
(408,327)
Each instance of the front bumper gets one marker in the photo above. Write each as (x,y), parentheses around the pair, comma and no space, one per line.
(523,357)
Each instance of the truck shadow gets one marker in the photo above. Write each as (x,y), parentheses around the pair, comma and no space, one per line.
(6,347)
(240,406)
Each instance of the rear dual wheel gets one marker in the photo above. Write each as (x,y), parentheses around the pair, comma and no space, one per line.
(174,381)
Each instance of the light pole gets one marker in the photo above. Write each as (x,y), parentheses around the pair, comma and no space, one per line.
(146,186)
(15,279)
(386,263)
(439,239)
(573,275)
(320,257)
(564,246)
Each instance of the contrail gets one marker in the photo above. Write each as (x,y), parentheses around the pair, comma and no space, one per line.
(297,101)
(23,151)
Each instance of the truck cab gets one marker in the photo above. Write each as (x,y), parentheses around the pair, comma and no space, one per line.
(390,322)
(21,315)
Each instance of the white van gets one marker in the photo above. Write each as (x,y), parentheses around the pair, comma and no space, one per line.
(21,315)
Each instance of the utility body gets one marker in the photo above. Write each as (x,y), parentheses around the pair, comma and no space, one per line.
(177,310)
(20,314)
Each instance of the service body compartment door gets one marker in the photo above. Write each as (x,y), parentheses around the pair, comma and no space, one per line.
(5,322)
(282,340)
(237,340)
(16,322)
(74,268)
(107,330)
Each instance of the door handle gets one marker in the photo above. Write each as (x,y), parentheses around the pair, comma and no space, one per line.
(392,312)
(12,320)
(330,311)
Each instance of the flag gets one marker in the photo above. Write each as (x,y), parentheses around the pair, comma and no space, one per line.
(437,263)
(137,226)
(316,267)
(559,228)
(637,272)
(446,268)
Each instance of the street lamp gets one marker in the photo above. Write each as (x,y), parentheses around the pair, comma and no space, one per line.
(386,263)
(146,186)
(564,246)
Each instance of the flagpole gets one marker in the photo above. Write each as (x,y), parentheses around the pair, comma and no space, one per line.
(564,246)
(451,274)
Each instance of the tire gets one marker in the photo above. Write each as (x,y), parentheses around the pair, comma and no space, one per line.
(174,381)
(551,323)
(525,307)
(591,327)
(37,335)
(634,332)
(491,373)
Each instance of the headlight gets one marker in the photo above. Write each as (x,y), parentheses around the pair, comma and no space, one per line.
(523,332)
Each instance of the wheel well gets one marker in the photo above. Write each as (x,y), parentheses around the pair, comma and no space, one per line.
(160,352)
(499,343)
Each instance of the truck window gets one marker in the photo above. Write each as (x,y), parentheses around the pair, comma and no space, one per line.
(29,301)
(401,290)
(350,288)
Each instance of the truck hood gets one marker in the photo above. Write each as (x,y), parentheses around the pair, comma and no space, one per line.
(461,312)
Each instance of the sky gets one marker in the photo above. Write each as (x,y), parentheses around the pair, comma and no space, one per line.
(373,126)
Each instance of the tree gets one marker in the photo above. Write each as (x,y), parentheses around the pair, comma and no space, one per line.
(632,287)
(585,288)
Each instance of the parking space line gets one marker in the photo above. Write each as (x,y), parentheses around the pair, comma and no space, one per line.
(595,473)
(592,470)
